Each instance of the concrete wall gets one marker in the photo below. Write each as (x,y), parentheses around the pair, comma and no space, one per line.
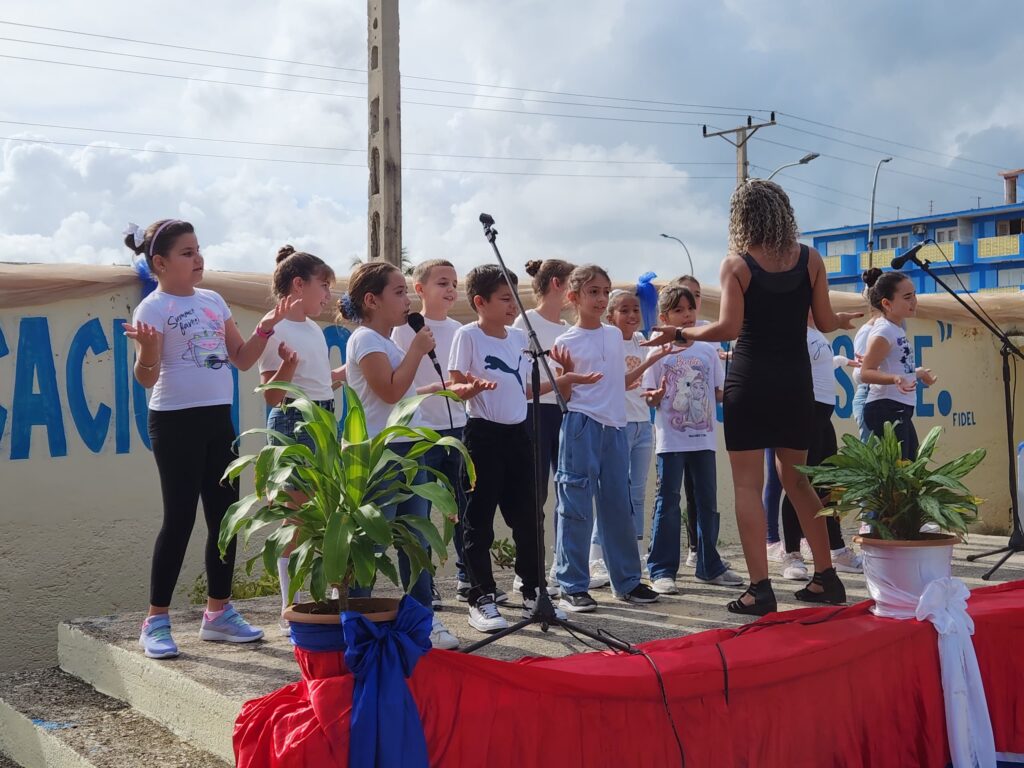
(79,501)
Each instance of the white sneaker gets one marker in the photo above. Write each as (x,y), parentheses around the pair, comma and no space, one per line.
(865,529)
(846,560)
(485,617)
(553,589)
(665,586)
(793,567)
(726,578)
(691,559)
(285,627)
(776,550)
(441,638)
(599,574)
(805,550)
(530,605)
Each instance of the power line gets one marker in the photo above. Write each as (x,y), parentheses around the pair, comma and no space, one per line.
(890,141)
(363,70)
(346,149)
(358,82)
(801,180)
(355,165)
(825,200)
(345,95)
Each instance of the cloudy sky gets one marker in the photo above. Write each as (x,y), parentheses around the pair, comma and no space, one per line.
(200,134)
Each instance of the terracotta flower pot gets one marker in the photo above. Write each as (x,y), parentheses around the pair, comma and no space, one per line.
(376,609)
(897,572)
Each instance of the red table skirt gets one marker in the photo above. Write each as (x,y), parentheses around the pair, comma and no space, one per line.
(814,687)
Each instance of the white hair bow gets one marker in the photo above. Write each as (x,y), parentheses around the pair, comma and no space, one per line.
(137,233)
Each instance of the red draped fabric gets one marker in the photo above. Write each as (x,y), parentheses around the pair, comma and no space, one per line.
(814,687)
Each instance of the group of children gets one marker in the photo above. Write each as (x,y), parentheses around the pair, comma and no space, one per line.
(600,451)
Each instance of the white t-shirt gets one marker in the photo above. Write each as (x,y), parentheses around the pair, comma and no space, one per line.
(860,347)
(313,372)
(547,333)
(365,341)
(434,411)
(636,406)
(194,366)
(598,350)
(685,420)
(823,368)
(900,360)
(503,361)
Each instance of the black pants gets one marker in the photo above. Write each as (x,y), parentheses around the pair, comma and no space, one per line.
(877,412)
(691,510)
(823,444)
(503,456)
(192,448)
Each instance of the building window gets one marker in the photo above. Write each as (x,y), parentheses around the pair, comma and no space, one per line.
(840,247)
(845,287)
(947,235)
(1008,227)
(1011,278)
(893,241)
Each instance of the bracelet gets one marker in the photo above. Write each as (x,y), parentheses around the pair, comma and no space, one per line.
(264,334)
(146,367)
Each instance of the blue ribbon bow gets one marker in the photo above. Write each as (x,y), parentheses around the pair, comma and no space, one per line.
(385,727)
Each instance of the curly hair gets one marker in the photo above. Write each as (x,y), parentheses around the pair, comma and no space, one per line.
(760,214)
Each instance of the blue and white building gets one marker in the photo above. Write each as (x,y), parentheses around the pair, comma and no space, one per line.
(985,247)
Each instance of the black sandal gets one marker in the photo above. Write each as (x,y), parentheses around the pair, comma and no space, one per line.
(764,600)
(833,592)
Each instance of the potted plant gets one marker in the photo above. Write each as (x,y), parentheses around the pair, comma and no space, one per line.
(331,501)
(897,498)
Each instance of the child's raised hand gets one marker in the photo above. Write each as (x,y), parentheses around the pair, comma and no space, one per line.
(655,396)
(668,349)
(846,319)
(472,387)
(660,335)
(288,355)
(423,342)
(725,355)
(906,384)
(144,333)
(561,357)
(583,378)
(926,376)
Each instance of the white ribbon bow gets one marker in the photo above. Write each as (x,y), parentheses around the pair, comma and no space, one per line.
(136,232)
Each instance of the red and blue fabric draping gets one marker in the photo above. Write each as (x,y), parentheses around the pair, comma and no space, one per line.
(813,687)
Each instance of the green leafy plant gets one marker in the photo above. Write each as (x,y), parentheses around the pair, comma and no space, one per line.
(894,495)
(503,553)
(331,499)
(243,586)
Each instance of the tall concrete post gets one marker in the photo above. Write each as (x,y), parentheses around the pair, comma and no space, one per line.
(384,154)
(742,164)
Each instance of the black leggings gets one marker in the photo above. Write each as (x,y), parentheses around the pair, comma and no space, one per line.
(823,444)
(877,412)
(192,448)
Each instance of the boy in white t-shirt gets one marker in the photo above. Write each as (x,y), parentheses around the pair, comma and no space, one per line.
(498,441)
(684,387)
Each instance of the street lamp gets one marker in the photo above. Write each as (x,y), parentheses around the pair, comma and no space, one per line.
(673,237)
(871,220)
(802,161)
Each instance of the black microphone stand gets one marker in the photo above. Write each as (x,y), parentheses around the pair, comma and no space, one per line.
(1016,541)
(545,611)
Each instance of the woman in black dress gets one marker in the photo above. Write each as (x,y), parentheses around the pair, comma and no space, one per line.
(768,282)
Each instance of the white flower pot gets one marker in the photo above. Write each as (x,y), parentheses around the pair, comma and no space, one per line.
(897,572)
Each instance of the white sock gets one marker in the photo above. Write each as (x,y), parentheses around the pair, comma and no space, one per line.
(596,553)
(282,575)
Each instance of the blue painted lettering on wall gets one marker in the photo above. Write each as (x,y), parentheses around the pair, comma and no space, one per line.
(843,345)
(32,407)
(3,411)
(91,427)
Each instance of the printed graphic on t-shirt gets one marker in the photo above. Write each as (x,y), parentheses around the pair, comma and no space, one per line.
(492,363)
(690,393)
(819,348)
(906,356)
(204,341)
(632,363)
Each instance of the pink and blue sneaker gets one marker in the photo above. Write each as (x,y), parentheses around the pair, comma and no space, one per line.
(156,640)
(228,627)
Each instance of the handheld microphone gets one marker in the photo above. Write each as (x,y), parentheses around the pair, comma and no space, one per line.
(486,219)
(416,322)
(899,261)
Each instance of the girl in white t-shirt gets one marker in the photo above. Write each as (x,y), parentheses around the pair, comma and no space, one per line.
(685,387)
(593,453)
(860,349)
(185,344)
(889,367)
(301,358)
(624,314)
(382,375)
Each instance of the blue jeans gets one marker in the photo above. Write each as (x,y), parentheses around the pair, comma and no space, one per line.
(593,469)
(414,507)
(449,462)
(772,497)
(860,397)
(640,438)
(663,556)
(285,421)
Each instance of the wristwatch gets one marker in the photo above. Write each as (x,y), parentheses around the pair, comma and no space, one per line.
(680,336)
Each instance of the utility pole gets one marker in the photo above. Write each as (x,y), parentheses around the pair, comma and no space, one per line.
(743,134)
(384,150)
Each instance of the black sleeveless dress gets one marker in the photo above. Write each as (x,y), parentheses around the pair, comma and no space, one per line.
(769,396)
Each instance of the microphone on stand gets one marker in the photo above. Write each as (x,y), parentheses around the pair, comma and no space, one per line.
(899,261)
(416,322)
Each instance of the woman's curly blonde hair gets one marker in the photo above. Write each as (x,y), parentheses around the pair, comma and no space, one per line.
(760,214)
